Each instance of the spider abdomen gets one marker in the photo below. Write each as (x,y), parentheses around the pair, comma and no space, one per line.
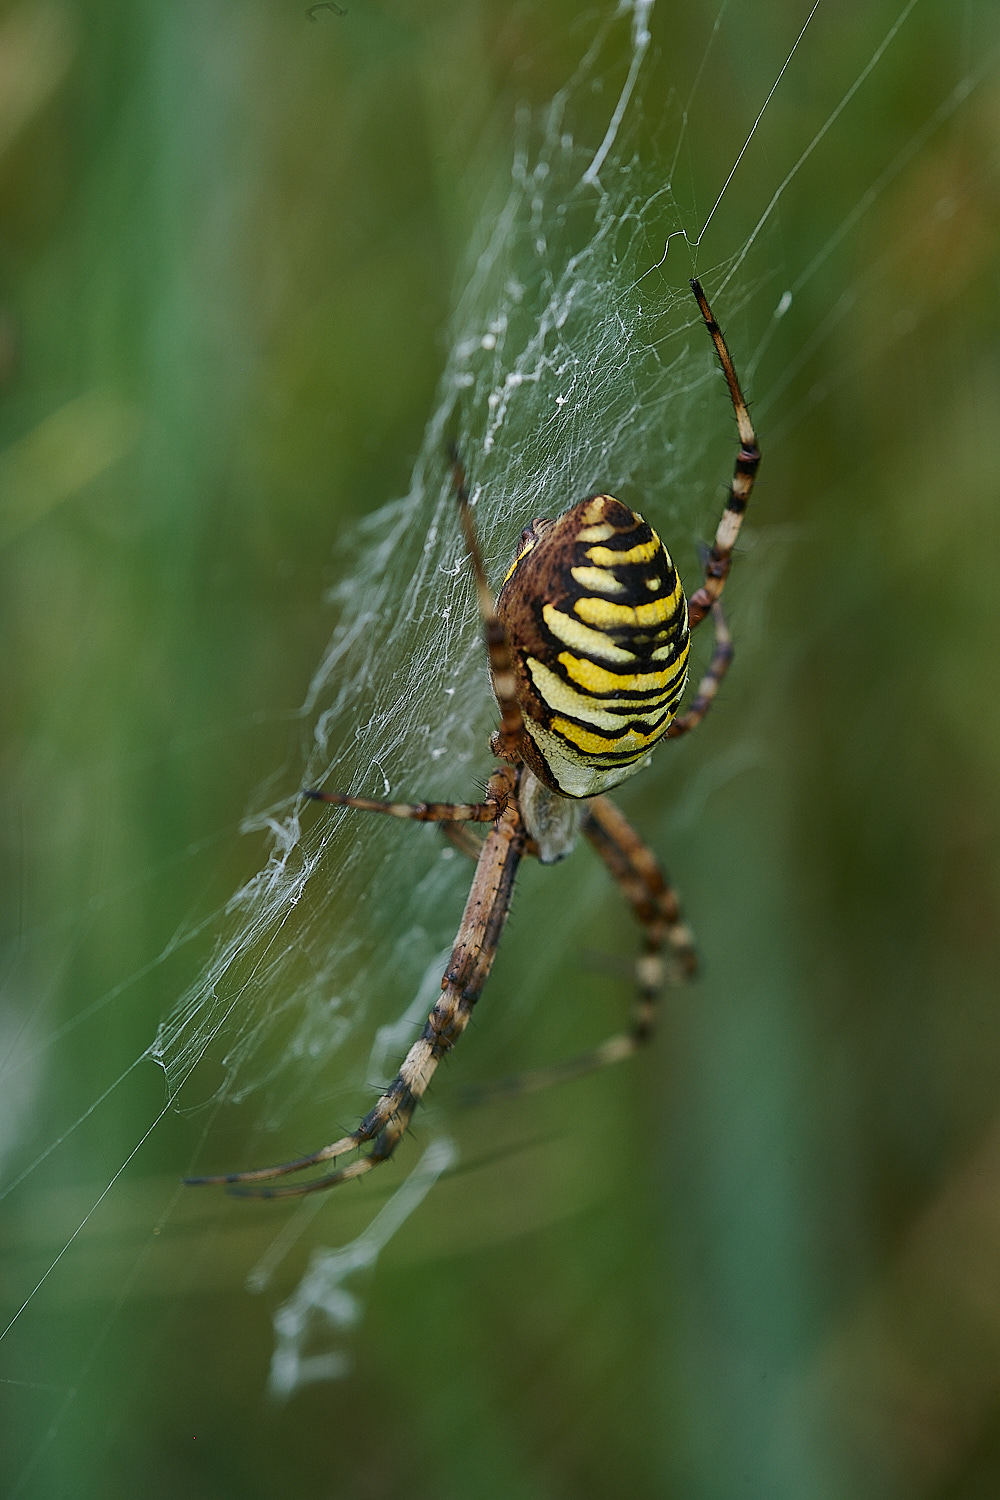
(597,624)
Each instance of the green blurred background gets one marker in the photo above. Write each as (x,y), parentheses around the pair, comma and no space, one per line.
(765,1259)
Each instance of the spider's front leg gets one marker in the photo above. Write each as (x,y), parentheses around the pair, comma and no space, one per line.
(720,554)
(468,969)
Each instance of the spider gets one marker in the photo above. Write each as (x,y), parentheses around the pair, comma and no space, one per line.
(588,647)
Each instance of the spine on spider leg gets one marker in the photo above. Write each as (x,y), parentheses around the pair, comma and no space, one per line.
(719,559)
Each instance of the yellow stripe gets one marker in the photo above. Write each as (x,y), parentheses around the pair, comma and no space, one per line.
(559,697)
(590,642)
(642,552)
(573,774)
(595,533)
(603,613)
(519,559)
(598,680)
(597,578)
(631,744)
(593,511)
(680,628)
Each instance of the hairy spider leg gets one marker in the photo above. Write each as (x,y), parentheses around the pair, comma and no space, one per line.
(720,554)
(656,907)
(653,900)
(497,792)
(507,740)
(468,969)
(722,657)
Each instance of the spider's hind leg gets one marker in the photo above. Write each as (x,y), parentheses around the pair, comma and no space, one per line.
(722,657)
(655,905)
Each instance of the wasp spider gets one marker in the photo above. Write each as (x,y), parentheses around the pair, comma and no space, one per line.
(588,647)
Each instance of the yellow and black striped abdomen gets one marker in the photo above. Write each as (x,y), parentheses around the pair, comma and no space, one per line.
(598,627)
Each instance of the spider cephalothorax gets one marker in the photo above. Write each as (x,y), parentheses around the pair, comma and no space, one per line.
(588,647)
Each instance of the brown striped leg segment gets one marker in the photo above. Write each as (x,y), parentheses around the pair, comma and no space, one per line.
(747,463)
(656,907)
(468,969)
(507,740)
(497,792)
(653,901)
(722,657)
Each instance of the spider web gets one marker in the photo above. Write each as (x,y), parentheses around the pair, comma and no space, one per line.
(575,362)
(571,367)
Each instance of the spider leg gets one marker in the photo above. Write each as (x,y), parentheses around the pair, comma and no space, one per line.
(652,898)
(722,657)
(506,741)
(497,792)
(460,838)
(468,969)
(720,554)
(655,905)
